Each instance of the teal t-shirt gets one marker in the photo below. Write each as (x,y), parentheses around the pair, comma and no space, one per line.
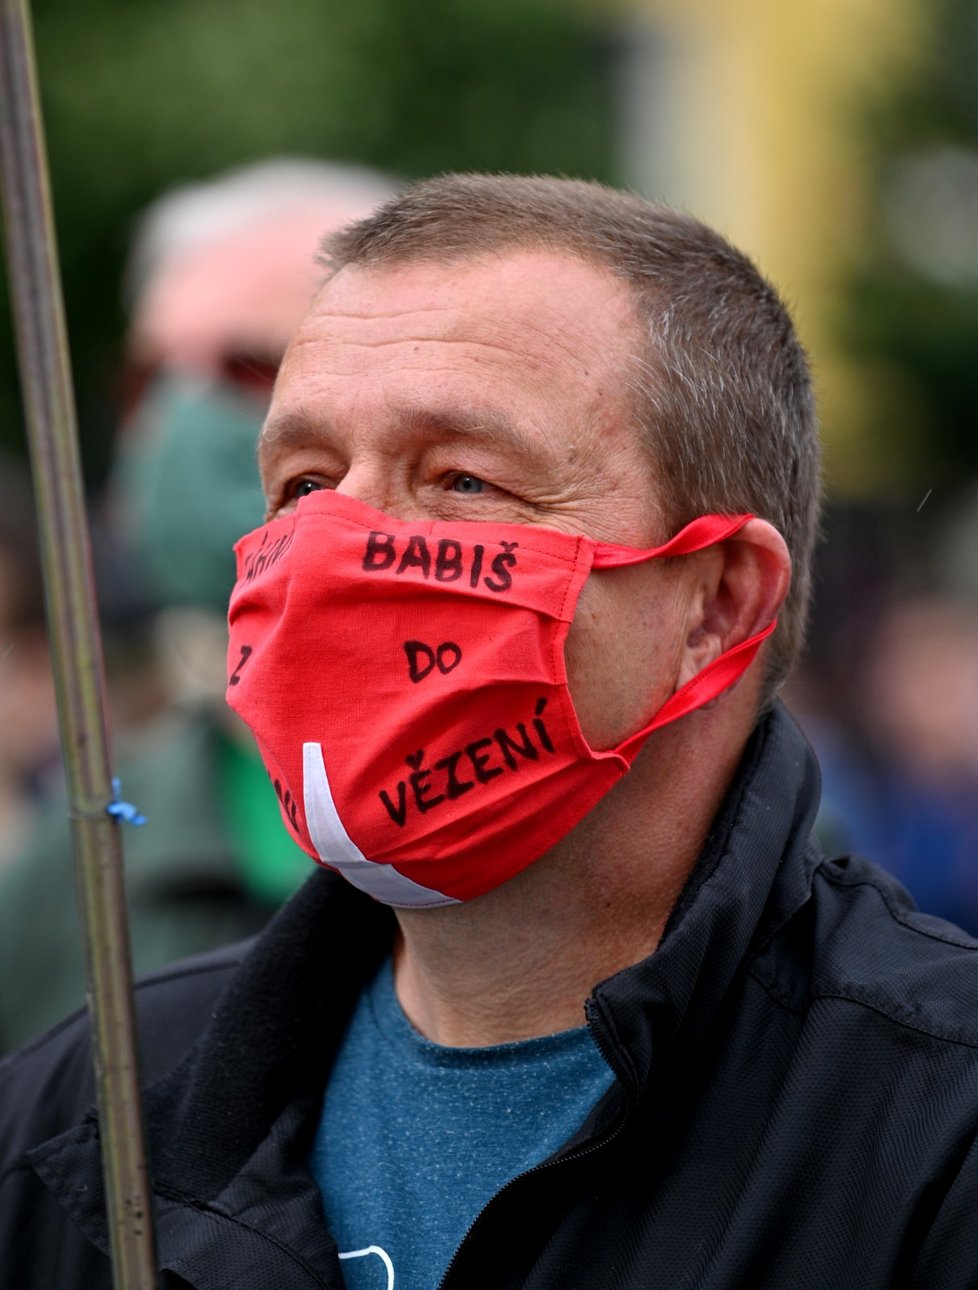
(416,1138)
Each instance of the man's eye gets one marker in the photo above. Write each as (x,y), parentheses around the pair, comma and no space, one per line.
(303,487)
(467,484)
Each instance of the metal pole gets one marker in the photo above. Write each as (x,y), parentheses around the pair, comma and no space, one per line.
(75,644)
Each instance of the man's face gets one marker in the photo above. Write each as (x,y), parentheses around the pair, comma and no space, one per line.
(492,390)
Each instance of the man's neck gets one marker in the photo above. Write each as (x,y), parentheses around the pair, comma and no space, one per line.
(521,960)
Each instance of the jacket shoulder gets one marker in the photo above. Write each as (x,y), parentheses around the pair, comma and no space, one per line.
(48,1085)
(866,943)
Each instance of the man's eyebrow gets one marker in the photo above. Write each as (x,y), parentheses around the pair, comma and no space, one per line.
(288,430)
(298,428)
(491,426)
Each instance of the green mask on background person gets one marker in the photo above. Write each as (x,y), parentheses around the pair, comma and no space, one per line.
(186,487)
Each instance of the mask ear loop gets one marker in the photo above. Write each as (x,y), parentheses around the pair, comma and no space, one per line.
(703,532)
(706,530)
(704,686)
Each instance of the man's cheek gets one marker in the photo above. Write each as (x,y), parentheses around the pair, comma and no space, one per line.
(622,653)
(595,673)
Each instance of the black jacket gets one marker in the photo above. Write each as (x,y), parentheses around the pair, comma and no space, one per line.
(796,1102)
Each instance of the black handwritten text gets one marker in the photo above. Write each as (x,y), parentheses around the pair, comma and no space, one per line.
(444,560)
(268,553)
(431,783)
(423,659)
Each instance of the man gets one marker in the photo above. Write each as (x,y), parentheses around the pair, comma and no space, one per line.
(541,475)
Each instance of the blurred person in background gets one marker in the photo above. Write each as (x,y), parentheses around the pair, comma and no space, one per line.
(921,711)
(888,694)
(29,751)
(220,273)
(901,780)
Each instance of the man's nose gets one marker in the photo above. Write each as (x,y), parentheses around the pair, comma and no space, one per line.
(372,483)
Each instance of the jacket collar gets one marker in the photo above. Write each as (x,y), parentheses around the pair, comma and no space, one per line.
(272,1036)
(754,872)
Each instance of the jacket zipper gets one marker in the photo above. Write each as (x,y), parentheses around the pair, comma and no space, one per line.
(580,1153)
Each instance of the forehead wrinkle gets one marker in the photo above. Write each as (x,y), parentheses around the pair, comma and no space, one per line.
(451,325)
(504,347)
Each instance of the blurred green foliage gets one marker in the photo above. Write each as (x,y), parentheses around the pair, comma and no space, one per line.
(918,323)
(139,95)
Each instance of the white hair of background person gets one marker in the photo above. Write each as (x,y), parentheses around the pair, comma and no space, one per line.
(190,216)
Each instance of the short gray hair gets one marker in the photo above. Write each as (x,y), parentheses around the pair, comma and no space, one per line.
(723,392)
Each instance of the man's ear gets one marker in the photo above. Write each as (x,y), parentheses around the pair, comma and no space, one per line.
(741,585)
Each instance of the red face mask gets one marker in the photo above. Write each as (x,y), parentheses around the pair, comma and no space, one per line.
(405,682)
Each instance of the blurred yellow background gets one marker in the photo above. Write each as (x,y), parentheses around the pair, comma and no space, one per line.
(743,111)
